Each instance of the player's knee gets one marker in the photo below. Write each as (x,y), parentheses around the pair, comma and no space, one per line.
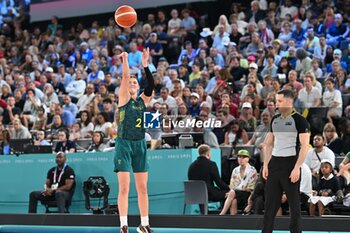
(124,190)
(142,189)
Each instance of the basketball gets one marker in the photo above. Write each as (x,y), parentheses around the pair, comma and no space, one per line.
(125,16)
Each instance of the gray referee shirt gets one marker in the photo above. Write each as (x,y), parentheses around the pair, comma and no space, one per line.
(286,132)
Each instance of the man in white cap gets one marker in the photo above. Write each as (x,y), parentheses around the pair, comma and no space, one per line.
(86,53)
(194,108)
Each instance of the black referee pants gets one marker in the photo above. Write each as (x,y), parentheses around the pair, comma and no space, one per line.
(278,181)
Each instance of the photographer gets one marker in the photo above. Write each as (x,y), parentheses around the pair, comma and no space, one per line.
(59,185)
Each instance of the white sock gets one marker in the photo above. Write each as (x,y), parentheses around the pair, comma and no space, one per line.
(144,221)
(123,221)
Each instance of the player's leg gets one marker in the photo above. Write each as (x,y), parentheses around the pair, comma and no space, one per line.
(123,196)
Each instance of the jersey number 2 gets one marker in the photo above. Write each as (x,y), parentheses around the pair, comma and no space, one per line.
(138,123)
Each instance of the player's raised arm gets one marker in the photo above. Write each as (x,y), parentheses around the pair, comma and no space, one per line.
(147,94)
(124,94)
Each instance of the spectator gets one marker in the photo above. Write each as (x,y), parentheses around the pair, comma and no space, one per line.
(336,31)
(86,99)
(206,170)
(103,123)
(292,79)
(69,106)
(68,118)
(64,144)
(286,34)
(208,136)
(11,112)
(97,144)
(30,108)
(59,185)
(246,119)
(76,87)
(255,15)
(96,76)
(5,148)
(241,186)
(309,95)
(155,47)
(174,23)
(271,68)
(332,141)
(40,120)
(328,187)
(40,138)
(167,99)
(303,64)
(236,135)
(194,108)
(317,154)
(50,97)
(19,131)
(333,100)
(188,25)
(64,77)
(87,127)
(299,33)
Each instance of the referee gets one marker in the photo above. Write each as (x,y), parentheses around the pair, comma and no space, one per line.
(284,149)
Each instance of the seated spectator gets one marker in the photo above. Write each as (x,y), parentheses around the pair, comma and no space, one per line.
(69,106)
(286,34)
(309,95)
(267,88)
(283,68)
(64,144)
(97,142)
(68,118)
(315,63)
(332,141)
(76,87)
(299,33)
(19,131)
(194,108)
(103,123)
(58,87)
(155,47)
(336,31)
(30,108)
(40,138)
(254,81)
(11,112)
(292,79)
(182,117)
(327,187)
(96,76)
(167,99)
(208,136)
(202,80)
(243,180)
(50,96)
(270,68)
(5,148)
(59,185)
(333,100)
(235,136)
(247,119)
(75,132)
(40,120)
(206,170)
(303,64)
(233,108)
(317,154)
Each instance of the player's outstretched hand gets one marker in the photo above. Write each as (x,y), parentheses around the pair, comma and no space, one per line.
(124,56)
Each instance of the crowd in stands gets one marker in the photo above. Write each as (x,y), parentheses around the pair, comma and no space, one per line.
(62,84)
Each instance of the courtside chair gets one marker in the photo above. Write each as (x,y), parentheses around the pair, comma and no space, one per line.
(196,193)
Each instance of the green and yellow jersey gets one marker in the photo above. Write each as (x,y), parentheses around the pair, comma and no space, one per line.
(131,120)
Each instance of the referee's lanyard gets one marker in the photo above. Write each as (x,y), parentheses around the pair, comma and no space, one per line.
(55,174)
